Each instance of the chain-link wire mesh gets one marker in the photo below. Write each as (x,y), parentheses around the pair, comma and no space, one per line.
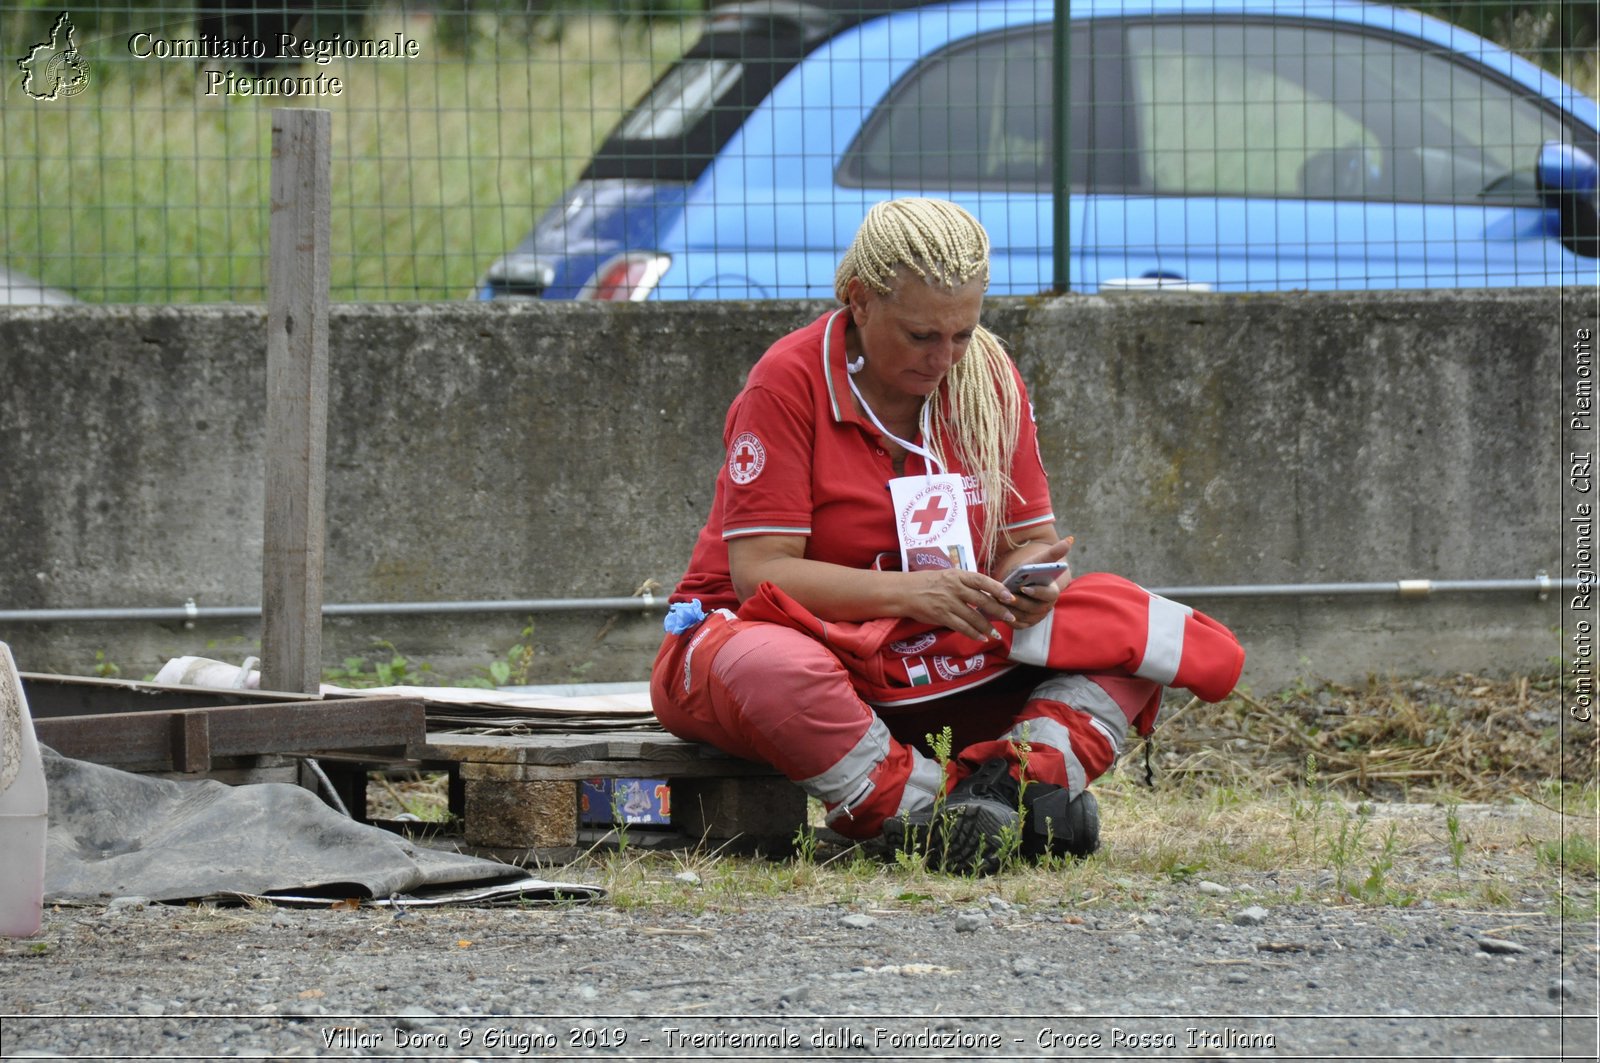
(650,148)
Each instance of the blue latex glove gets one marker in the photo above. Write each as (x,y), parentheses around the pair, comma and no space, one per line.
(683,616)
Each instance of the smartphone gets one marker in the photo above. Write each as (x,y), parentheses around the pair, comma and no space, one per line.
(1035,575)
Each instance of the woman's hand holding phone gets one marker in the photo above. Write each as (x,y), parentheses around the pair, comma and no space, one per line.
(1037,584)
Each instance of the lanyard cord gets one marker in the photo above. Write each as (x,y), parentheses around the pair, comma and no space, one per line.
(927,455)
(927,430)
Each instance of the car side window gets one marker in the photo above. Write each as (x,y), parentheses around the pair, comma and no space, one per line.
(1250,109)
(1219,110)
(974,116)
(1461,136)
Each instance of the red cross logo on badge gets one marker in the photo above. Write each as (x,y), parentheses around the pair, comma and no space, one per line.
(746,458)
(929,515)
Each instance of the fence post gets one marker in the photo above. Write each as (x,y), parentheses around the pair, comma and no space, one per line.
(1061,160)
(297,400)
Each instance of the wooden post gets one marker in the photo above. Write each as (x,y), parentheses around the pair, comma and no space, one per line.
(297,401)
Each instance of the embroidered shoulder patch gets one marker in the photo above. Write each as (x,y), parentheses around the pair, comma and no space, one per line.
(956,667)
(746,458)
(913,646)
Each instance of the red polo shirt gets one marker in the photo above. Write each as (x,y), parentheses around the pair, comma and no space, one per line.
(802,460)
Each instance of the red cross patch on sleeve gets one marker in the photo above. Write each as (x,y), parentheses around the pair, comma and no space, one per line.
(746,458)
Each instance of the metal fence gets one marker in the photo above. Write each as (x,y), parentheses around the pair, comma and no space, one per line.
(650,149)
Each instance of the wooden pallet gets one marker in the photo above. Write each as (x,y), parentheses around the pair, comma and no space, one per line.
(521,791)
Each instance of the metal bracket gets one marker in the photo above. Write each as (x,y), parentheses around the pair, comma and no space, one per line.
(1416,588)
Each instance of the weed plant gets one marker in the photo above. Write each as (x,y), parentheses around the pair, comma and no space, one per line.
(383,666)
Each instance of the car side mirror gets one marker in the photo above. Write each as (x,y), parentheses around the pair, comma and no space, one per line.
(1569,181)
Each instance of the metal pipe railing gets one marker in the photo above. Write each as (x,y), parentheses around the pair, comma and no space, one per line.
(1540,585)
(190,611)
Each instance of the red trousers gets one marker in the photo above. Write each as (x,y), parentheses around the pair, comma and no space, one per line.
(770,693)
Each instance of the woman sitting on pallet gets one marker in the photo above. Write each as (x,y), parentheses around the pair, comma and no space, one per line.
(848,598)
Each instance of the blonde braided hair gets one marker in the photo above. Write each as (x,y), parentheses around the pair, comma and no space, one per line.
(979,405)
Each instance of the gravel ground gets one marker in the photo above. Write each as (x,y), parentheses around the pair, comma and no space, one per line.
(1157,965)
(1186,974)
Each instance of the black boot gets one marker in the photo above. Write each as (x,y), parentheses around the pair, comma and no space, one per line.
(1059,825)
(968,830)
(971,828)
(1053,821)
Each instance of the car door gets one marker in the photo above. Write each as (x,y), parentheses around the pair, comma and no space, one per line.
(1282,154)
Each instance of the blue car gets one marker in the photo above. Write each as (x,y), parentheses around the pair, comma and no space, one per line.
(1223,145)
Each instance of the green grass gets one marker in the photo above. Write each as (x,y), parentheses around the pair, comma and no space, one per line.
(143,189)
(1158,845)
(1576,855)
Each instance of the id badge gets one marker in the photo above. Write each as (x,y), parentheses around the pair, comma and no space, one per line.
(930,515)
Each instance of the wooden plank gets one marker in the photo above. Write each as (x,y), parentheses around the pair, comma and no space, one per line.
(766,812)
(619,769)
(531,814)
(72,695)
(555,749)
(630,746)
(145,740)
(515,749)
(191,741)
(297,400)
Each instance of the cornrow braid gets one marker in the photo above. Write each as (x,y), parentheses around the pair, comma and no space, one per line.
(935,239)
(978,408)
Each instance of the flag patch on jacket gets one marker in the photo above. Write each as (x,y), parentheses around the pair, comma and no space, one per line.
(917,672)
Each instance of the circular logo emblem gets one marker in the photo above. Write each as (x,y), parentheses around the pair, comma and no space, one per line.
(912,647)
(955,667)
(68,73)
(746,458)
(928,516)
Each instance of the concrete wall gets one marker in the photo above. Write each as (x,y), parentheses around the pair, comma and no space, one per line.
(545,451)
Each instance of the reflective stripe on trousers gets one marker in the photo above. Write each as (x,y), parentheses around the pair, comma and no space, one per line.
(858,775)
(1086,695)
(1163,648)
(847,777)
(1043,731)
